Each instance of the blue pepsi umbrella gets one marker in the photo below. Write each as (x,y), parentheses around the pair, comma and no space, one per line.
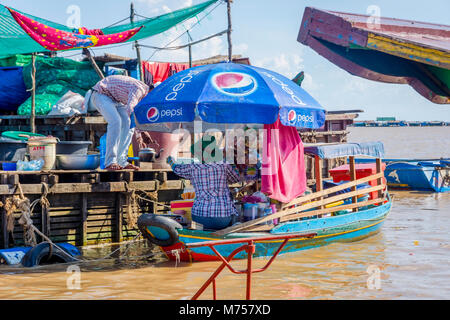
(229,93)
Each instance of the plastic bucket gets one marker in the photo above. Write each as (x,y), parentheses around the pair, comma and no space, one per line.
(45,149)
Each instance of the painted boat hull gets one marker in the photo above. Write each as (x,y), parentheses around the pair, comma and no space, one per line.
(412,175)
(344,228)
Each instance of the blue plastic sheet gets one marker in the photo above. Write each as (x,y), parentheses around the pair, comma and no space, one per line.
(331,151)
(12,88)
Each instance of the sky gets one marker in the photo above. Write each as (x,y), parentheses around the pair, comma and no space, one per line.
(266,32)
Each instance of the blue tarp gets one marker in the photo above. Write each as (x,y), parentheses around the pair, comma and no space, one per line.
(13,91)
(330,151)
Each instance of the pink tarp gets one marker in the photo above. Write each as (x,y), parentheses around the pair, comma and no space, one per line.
(283,174)
(54,39)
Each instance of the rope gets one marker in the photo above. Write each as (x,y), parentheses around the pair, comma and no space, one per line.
(21,203)
(197,23)
(45,205)
(185,45)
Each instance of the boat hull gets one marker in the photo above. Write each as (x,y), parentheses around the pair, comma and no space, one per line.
(347,227)
(412,175)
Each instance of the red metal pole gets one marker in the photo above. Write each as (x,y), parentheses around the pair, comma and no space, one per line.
(250,250)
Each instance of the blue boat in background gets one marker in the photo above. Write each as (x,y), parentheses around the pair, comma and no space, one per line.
(417,174)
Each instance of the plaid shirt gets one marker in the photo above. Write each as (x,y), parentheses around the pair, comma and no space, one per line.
(125,90)
(210,181)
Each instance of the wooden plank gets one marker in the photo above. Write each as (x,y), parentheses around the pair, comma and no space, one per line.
(303,207)
(103,187)
(330,210)
(325,192)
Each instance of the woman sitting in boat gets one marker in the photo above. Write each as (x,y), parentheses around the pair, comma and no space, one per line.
(213,206)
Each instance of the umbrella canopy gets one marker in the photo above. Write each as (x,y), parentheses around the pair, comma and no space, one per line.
(228,93)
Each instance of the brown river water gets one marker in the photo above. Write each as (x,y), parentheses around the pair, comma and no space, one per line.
(408,259)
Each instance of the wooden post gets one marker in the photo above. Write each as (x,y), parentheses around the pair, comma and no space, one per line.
(4,226)
(353,178)
(380,180)
(190,49)
(318,175)
(33,94)
(139,61)
(84,215)
(136,45)
(230,46)
(118,237)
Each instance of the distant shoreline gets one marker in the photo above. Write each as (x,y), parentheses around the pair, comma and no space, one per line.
(372,123)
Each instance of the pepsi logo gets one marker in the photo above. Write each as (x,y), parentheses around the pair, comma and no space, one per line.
(234,83)
(292,116)
(153,114)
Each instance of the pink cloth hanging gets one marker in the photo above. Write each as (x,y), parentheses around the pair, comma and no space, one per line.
(54,39)
(283,174)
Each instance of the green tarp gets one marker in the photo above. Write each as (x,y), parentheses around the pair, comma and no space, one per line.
(14,40)
(54,77)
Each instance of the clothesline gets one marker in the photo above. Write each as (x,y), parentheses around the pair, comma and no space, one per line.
(185,45)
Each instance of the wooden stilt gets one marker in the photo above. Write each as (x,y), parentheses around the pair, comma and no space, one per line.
(84,215)
(119,218)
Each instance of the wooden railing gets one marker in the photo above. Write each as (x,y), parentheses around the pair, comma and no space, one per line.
(297,208)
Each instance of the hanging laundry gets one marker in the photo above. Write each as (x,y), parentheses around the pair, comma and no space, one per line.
(54,39)
(283,174)
(177,67)
(159,70)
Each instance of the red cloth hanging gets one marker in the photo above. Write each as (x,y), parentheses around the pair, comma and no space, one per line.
(177,67)
(159,70)
(283,174)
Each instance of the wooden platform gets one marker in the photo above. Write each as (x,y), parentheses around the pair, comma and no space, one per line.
(86,207)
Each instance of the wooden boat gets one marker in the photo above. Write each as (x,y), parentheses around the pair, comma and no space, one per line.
(338,213)
(417,174)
